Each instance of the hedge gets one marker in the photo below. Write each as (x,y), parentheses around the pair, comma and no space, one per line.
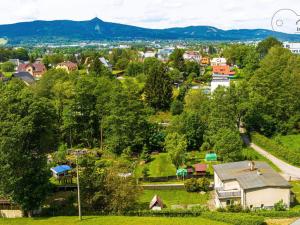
(277,214)
(275,149)
(232,218)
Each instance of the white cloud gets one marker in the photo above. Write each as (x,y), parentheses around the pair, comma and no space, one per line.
(226,14)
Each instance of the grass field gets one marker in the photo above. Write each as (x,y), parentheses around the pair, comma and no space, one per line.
(110,220)
(290,141)
(174,197)
(160,166)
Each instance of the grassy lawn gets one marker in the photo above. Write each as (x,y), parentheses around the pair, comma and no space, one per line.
(296,191)
(174,197)
(160,166)
(290,141)
(111,220)
(251,154)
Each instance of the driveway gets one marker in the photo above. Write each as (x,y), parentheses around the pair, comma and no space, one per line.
(289,172)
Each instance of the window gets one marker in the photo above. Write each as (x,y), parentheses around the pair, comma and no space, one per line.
(251,206)
(228,202)
(262,206)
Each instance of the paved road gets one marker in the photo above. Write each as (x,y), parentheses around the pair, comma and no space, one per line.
(288,171)
(296,222)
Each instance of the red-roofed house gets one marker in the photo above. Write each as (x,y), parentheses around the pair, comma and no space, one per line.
(200,169)
(222,70)
(36,69)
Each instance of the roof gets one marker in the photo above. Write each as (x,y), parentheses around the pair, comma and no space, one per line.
(37,67)
(156,200)
(200,167)
(24,76)
(69,65)
(60,169)
(223,69)
(262,175)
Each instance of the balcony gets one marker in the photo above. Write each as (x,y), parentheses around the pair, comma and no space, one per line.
(228,193)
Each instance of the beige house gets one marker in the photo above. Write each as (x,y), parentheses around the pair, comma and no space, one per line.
(68,66)
(252,184)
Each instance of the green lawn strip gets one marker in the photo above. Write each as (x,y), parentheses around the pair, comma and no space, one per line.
(286,154)
(161,166)
(175,197)
(290,141)
(296,191)
(251,154)
(111,220)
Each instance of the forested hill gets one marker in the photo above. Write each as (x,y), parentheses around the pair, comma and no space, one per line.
(96,29)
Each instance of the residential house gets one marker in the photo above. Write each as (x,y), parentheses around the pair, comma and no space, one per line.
(192,56)
(164,54)
(219,80)
(149,54)
(9,210)
(61,173)
(254,185)
(68,66)
(26,77)
(223,70)
(218,62)
(36,69)
(16,62)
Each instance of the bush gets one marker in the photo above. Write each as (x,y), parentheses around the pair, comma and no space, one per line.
(234,218)
(194,185)
(8,67)
(176,107)
(234,208)
(280,206)
(191,185)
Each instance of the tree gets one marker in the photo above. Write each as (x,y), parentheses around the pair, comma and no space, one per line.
(27,132)
(264,46)
(158,87)
(134,68)
(273,93)
(177,59)
(104,190)
(7,67)
(175,145)
(228,144)
(126,113)
(175,75)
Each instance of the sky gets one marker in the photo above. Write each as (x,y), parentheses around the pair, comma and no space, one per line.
(224,14)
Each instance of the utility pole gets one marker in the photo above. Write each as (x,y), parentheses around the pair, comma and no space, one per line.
(78,153)
(78,185)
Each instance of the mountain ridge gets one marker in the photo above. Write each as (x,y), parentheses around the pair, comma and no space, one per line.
(97,30)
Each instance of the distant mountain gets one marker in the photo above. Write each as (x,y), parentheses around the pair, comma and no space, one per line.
(96,30)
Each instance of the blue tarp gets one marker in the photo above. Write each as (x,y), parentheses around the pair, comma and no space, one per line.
(61,169)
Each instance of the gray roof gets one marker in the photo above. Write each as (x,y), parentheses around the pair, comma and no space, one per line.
(25,76)
(262,176)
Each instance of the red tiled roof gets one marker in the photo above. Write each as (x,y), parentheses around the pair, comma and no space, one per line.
(190,170)
(200,167)
(37,67)
(224,70)
(70,65)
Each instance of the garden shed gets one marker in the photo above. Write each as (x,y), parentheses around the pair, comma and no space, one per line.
(211,157)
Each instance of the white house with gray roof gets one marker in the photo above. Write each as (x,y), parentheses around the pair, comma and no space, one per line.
(252,184)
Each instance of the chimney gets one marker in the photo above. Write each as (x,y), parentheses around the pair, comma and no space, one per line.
(251,165)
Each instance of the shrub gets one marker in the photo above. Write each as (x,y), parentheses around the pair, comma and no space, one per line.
(176,107)
(280,206)
(203,184)
(191,185)
(234,208)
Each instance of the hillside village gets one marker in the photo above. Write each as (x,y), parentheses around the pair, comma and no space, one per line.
(206,130)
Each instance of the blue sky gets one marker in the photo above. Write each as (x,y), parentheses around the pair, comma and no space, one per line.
(225,14)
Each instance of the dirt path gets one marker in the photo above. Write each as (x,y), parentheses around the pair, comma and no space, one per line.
(289,172)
